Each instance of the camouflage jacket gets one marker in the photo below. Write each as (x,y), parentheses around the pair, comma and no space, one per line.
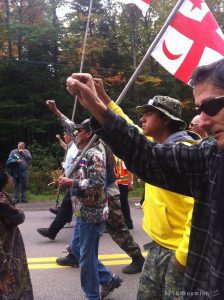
(88,184)
(89,180)
(68,126)
(15,283)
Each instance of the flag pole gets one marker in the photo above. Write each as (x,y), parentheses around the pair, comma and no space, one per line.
(149,51)
(75,166)
(83,52)
(132,79)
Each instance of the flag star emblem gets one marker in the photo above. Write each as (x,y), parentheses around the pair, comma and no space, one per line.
(196,4)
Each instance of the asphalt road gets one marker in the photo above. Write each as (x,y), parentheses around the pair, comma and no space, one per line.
(51,281)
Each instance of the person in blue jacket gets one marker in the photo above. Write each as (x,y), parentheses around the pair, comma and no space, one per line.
(18,162)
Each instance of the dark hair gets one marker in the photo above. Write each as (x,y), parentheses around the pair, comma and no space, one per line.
(212,73)
(3,177)
(173,126)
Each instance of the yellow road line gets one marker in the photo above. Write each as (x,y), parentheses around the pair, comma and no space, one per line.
(50,262)
(56,266)
(101,257)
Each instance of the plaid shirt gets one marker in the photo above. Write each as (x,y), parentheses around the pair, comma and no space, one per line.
(185,170)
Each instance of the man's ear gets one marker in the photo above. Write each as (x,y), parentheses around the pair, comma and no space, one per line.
(90,133)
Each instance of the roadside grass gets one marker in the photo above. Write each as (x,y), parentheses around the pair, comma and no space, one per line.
(51,195)
(137,191)
(34,197)
(41,197)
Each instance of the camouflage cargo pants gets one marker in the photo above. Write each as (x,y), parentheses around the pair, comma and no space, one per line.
(160,278)
(118,230)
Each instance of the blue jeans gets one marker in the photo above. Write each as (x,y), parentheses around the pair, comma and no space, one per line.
(74,244)
(93,272)
(20,181)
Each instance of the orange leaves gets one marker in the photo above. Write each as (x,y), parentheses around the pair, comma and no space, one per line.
(145,79)
(118,78)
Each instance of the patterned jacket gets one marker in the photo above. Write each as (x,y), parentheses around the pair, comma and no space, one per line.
(89,180)
(186,170)
(15,280)
(68,126)
(88,184)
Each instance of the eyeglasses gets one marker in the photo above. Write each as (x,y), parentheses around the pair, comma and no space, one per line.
(212,106)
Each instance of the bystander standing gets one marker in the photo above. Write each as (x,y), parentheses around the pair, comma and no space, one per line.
(18,162)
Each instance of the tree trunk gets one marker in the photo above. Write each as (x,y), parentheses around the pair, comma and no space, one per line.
(7,21)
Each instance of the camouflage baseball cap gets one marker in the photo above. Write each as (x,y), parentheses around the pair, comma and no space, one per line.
(172,108)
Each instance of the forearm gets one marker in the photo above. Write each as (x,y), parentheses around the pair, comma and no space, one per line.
(117,109)
(130,181)
(152,162)
(27,155)
(62,144)
(105,99)
(99,86)
(98,109)
(57,113)
(68,125)
(130,177)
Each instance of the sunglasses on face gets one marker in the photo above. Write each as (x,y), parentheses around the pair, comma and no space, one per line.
(212,106)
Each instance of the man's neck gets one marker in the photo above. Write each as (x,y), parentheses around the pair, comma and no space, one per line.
(83,146)
(204,136)
(161,138)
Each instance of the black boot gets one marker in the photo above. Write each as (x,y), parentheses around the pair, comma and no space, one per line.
(46,232)
(69,260)
(135,266)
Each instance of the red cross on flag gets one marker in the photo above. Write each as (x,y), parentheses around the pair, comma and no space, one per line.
(142,4)
(193,38)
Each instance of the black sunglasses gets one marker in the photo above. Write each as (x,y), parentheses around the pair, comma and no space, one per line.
(212,106)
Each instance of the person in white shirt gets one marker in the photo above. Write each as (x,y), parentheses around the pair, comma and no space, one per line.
(65,212)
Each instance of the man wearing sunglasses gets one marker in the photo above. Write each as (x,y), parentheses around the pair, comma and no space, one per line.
(115,224)
(197,170)
(86,187)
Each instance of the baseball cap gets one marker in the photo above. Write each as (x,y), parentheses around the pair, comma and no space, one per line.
(84,125)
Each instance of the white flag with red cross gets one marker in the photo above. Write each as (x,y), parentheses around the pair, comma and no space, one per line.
(142,4)
(193,38)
